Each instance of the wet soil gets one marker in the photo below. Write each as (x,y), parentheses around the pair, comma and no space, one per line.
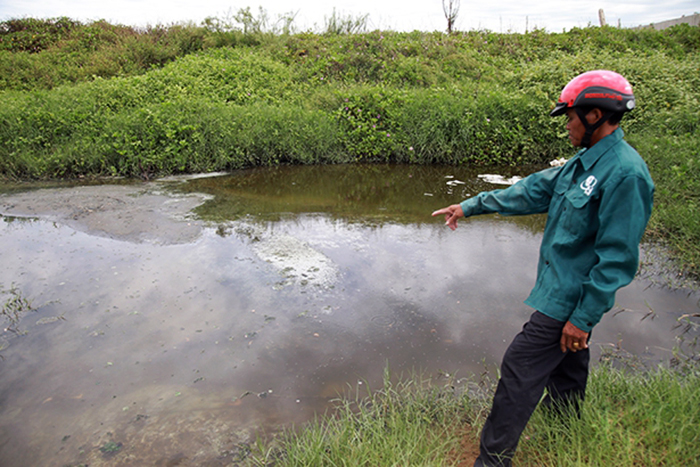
(134,212)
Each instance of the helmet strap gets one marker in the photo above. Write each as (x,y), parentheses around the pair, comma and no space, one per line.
(590,128)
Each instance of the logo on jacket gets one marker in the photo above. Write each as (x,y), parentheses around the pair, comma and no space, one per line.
(588,184)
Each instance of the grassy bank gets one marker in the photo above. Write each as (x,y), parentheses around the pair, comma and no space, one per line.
(225,102)
(629,418)
(106,100)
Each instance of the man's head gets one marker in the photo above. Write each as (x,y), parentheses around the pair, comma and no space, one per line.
(598,99)
(577,129)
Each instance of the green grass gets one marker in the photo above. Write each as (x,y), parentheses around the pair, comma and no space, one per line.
(675,165)
(469,98)
(409,422)
(629,418)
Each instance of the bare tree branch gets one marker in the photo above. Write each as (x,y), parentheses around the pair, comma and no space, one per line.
(451,10)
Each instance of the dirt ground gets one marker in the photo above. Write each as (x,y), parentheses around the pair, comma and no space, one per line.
(468,451)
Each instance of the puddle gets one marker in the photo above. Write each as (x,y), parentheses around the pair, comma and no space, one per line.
(175,318)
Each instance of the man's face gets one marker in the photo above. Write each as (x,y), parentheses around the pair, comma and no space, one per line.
(574,127)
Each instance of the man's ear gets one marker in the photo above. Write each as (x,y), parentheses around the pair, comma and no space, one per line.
(594,115)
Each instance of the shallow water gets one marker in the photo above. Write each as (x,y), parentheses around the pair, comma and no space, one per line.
(174,318)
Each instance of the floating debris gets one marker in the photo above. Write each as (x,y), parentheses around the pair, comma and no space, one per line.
(500,179)
(383,321)
(50,319)
(558,162)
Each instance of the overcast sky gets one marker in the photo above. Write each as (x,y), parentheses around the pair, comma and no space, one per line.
(398,15)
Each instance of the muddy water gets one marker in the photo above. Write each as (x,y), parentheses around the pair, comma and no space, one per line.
(174,318)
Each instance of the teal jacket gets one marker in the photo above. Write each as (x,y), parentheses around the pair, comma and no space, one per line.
(597,206)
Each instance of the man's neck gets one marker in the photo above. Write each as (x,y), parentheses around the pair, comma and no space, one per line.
(606,130)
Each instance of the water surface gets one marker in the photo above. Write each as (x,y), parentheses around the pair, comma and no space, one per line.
(174,318)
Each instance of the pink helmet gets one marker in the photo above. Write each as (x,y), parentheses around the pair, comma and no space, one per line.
(604,89)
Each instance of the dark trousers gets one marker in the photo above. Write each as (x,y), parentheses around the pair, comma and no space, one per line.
(534,361)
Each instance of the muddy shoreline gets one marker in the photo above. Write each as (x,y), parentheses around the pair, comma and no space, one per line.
(136,213)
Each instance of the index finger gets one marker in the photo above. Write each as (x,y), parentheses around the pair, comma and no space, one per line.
(441,211)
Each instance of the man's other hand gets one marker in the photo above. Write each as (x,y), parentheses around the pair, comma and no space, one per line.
(572,338)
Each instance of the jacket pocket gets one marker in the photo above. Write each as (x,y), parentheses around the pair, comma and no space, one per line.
(577,197)
(576,213)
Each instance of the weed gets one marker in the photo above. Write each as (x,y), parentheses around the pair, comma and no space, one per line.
(111,448)
(628,418)
(15,306)
(409,422)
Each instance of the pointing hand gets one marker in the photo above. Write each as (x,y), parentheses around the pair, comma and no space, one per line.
(452,214)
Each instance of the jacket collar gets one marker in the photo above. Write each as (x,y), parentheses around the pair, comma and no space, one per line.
(590,156)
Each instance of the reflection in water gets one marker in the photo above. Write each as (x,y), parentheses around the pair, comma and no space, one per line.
(364,193)
(302,282)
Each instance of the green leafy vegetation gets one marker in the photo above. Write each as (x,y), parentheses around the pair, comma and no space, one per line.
(86,100)
(629,418)
(409,422)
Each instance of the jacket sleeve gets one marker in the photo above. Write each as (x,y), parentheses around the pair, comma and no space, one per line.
(624,211)
(530,195)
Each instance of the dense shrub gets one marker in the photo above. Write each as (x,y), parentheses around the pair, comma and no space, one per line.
(476,97)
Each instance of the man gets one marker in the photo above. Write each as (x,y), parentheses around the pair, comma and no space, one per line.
(598,205)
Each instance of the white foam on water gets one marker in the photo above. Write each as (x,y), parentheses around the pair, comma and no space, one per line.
(500,179)
(292,257)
